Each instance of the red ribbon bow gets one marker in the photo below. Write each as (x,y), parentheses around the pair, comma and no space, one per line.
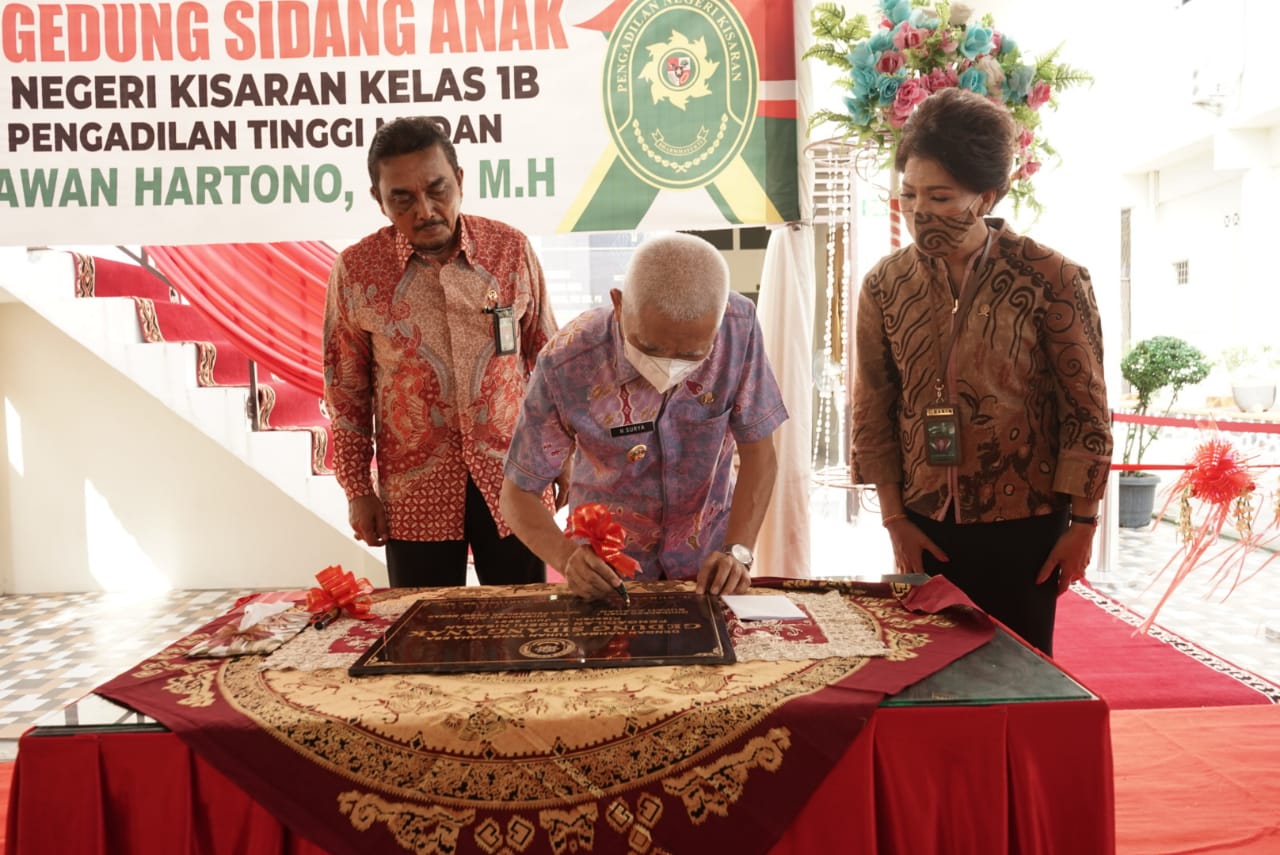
(594,522)
(1218,473)
(340,591)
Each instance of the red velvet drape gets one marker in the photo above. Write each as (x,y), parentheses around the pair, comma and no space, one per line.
(267,299)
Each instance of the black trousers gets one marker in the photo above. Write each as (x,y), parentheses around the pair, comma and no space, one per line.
(437,563)
(996,564)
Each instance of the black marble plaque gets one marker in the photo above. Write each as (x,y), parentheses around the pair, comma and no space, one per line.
(550,631)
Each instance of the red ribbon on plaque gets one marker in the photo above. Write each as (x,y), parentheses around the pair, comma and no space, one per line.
(340,591)
(594,522)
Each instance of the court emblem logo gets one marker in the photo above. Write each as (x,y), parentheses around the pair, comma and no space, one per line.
(547,648)
(679,69)
(680,90)
(685,69)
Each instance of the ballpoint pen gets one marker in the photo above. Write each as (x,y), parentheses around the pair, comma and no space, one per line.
(622,592)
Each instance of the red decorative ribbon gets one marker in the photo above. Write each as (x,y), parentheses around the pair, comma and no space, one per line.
(340,591)
(594,522)
(1202,422)
(1218,474)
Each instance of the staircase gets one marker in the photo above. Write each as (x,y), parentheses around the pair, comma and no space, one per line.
(134,321)
(164,317)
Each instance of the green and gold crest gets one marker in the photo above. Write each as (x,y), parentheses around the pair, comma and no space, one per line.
(680,91)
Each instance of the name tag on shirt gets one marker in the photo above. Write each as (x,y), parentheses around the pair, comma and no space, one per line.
(941,429)
(504,330)
(628,430)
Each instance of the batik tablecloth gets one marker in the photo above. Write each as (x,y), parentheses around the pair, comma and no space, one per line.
(665,759)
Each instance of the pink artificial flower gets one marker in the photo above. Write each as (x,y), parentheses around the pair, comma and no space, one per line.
(996,41)
(941,78)
(1038,96)
(948,43)
(1025,138)
(1031,167)
(908,37)
(909,96)
(889,62)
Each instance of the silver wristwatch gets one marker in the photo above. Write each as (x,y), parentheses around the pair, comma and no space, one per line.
(741,553)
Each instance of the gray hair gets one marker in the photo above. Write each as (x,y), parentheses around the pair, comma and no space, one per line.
(681,276)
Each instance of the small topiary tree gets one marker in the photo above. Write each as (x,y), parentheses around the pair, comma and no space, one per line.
(1153,364)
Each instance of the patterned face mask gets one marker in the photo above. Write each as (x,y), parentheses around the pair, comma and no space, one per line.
(661,372)
(939,235)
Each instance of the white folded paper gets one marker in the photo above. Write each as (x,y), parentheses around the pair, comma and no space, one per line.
(256,613)
(763,607)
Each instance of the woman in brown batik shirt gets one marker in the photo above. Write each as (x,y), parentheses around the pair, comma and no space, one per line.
(980,408)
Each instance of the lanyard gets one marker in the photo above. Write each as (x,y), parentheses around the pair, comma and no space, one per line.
(959,308)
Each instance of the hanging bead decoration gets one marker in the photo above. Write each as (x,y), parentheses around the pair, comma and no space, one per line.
(833,206)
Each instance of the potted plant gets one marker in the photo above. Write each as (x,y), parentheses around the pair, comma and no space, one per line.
(1252,370)
(1152,365)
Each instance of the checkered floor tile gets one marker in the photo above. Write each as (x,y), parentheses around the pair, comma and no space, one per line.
(56,647)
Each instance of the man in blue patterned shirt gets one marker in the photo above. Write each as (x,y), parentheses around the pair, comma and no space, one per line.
(652,398)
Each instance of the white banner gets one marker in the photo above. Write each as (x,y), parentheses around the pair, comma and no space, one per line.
(189,122)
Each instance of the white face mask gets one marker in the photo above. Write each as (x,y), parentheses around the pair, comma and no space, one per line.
(661,372)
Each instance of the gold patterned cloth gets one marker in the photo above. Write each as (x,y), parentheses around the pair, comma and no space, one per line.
(649,759)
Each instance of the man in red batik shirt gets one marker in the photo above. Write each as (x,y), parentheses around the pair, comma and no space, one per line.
(432,326)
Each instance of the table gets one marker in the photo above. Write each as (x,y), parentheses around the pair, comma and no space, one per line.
(998,752)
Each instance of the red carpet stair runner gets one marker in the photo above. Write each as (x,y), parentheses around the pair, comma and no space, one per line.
(163,316)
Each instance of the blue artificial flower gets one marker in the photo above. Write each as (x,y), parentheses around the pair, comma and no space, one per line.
(1018,80)
(859,112)
(973,78)
(887,87)
(1007,44)
(896,11)
(977,41)
(862,56)
(864,82)
(923,19)
(881,40)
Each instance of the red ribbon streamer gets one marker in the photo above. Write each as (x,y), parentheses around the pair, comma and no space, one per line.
(1142,467)
(594,522)
(1196,422)
(340,591)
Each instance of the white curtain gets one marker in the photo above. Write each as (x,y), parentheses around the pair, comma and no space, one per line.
(786,316)
(786,307)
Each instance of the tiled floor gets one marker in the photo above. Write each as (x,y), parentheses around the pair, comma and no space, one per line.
(55,648)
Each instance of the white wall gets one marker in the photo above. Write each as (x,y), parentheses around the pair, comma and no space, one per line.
(110,490)
(1201,227)
(6,466)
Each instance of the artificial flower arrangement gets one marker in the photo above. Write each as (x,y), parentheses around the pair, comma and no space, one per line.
(921,47)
